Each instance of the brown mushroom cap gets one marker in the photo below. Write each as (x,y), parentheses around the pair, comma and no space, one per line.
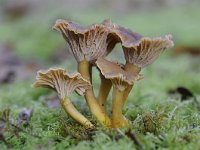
(59,80)
(116,73)
(146,50)
(86,43)
(138,50)
(121,34)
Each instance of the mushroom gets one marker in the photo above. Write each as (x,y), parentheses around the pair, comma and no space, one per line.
(143,52)
(120,79)
(139,51)
(64,84)
(88,44)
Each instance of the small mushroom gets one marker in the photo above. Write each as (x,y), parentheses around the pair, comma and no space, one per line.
(88,44)
(143,52)
(64,84)
(120,79)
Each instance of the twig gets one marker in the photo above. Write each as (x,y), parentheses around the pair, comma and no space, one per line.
(128,134)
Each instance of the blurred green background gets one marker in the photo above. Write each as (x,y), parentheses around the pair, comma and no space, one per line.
(28,43)
(27,25)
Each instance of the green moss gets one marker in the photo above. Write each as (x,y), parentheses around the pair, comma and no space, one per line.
(159,120)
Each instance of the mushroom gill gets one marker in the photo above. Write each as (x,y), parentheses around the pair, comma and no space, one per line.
(64,84)
(86,43)
(146,50)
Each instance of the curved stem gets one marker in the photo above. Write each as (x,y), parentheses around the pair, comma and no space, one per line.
(73,112)
(118,120)
(126,93)
(83,68)
(135,70)
(104,90)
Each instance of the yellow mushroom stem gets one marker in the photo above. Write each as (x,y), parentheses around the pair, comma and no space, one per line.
(90,72)
(126,93)
(83,68)
(72,111)
(104,90)
(135,70)
(118,120)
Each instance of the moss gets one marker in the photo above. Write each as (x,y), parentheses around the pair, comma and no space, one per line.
(159,120)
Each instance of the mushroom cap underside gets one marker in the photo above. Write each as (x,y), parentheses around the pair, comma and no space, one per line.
(116,73)
(61,81)
(87,43)
(146,50)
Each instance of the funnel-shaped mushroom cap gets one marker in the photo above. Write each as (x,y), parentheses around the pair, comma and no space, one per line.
(116,73)
(86,43)
(146,50)
(64,83)
(139,50)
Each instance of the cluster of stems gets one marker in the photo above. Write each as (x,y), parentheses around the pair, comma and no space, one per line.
(85,70)
(97,105)
(90,44)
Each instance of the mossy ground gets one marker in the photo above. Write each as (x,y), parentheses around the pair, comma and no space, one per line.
(159,120)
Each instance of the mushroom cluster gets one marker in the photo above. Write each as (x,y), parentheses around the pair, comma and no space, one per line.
(90,45)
